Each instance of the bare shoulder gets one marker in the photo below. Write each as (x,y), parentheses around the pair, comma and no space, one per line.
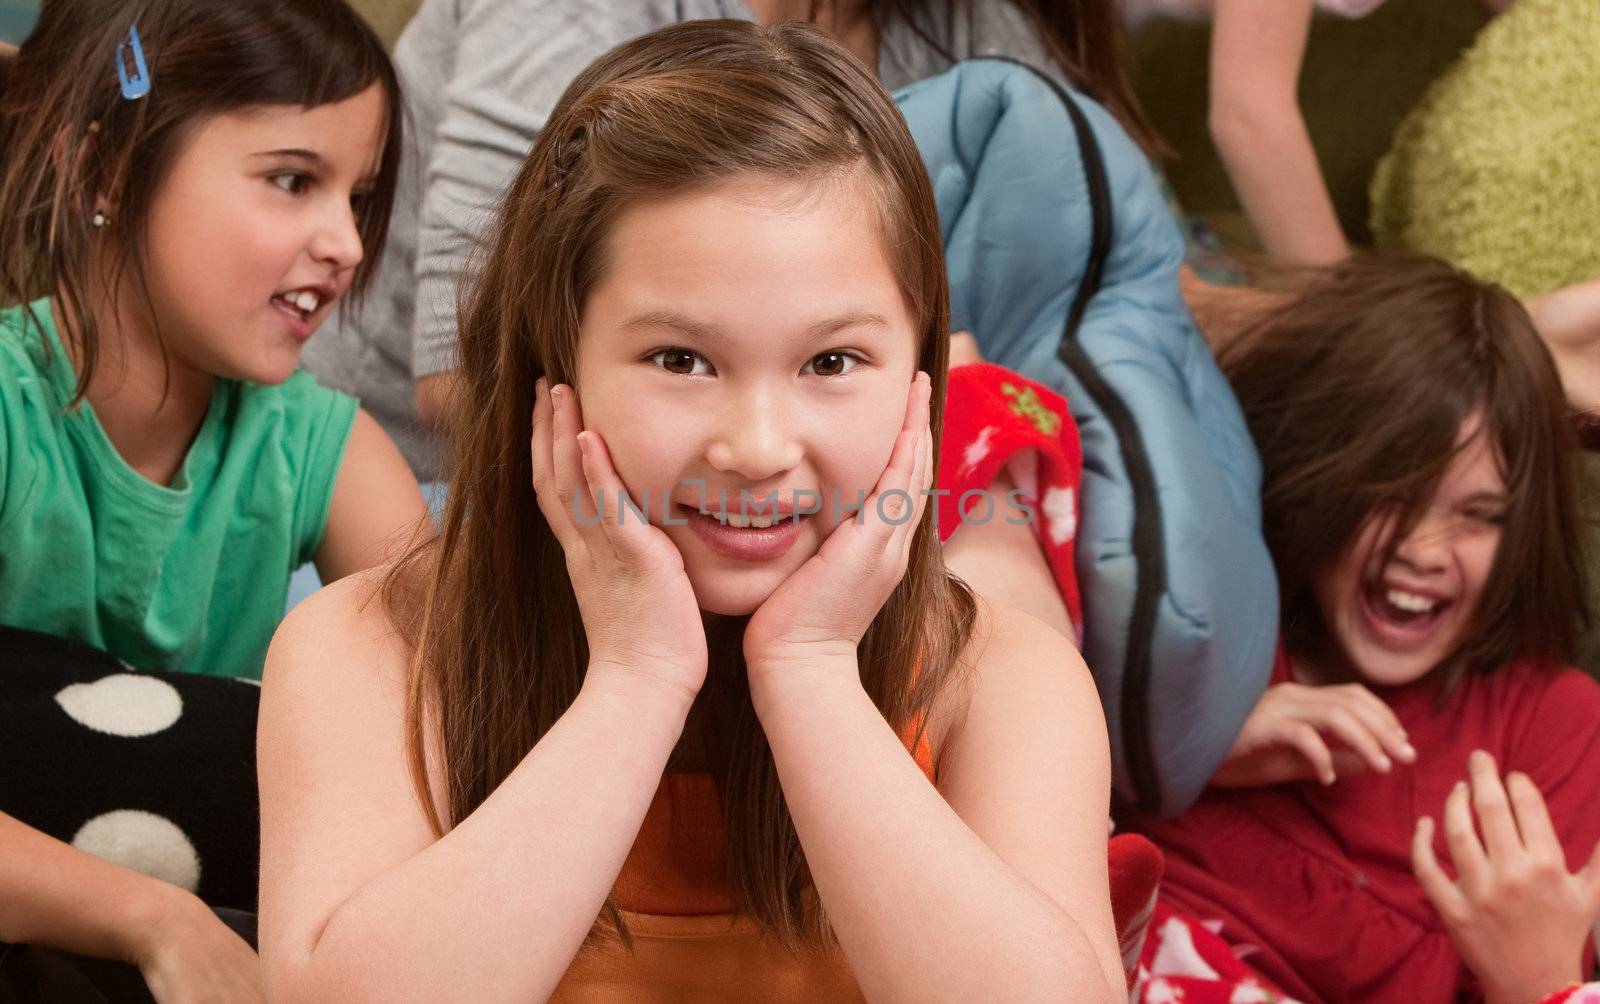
(1013,660)
(339,644)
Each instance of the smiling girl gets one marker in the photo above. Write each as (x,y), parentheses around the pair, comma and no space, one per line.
(568,753)
(1419,505)
(187,190)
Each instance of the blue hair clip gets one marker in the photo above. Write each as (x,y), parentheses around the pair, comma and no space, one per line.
(138,85)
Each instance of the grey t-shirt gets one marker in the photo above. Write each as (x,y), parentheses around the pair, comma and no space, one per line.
(481,78)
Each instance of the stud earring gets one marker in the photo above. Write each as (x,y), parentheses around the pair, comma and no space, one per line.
(99,219)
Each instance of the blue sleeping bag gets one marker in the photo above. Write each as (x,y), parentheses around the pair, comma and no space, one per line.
(1063,260)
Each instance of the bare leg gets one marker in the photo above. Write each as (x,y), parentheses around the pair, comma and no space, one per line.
(1006,564)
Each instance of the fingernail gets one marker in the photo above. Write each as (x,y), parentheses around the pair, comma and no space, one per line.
(1384,763)
(1408,751)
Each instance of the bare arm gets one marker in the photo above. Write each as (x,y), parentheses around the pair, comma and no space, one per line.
(359,900)
(53,894)
(1002,870)
(1256,50)
(1569,320)
(377,507)
(433,399)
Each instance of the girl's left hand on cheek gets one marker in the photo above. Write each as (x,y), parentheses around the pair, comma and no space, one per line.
(820,612)
(1516,915)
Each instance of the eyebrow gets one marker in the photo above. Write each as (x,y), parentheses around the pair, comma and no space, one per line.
(712,333)
(312,157)
(296,152)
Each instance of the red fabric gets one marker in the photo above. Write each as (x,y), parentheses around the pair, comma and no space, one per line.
(992,415)
(1313,885)
(1135,867)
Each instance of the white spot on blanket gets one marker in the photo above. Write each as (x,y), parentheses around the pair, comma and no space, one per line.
(149,844)
(1060,513)
(976,450)
(125,704)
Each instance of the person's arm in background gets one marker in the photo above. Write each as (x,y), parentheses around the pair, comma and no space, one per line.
(1569,320)
(376,510)
(513,60)
(53,894)
(1256,50)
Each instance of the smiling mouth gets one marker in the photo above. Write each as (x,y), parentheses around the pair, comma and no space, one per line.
(1403,609)
(303,302)
(744,520)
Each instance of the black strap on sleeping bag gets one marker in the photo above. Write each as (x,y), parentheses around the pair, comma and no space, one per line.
(1149,558)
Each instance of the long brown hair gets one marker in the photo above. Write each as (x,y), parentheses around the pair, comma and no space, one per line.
(69,136)
(488,608)
(1083,37)
(1356,391)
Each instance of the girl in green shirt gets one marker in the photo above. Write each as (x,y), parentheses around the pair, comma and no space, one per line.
(188,190)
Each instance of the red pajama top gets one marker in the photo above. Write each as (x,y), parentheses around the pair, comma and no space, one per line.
(1313,886)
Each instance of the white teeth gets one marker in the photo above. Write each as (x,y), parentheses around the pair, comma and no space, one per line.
(306,300)
(1409,602)
(742,521)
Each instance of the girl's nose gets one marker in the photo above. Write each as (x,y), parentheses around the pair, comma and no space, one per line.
(754,439)
(338,240)
(1427,546)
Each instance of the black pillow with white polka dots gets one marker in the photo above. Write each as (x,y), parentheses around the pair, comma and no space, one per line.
(154,771)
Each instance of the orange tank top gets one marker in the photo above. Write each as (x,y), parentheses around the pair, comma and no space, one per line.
(688,943)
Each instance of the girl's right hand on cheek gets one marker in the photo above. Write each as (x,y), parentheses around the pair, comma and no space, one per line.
(639,610)
(1286,737)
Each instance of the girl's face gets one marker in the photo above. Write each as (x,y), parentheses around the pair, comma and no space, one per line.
(747,336)
(1395,622)
(252,236)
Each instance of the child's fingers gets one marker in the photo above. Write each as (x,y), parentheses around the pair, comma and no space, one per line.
(1382,719)
(620,523)
(1462,838)
(1305,739)
(1493,808)
(556,514)
(1354,732)
(572,489)
(1441,892)
(892,498)
(1533,817)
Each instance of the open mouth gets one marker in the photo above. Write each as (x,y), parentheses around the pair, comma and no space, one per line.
(301,303)
(1403,610)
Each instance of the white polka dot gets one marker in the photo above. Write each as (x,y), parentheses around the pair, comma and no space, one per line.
(1060,510)
(976,450)
(143,841)
(125,705)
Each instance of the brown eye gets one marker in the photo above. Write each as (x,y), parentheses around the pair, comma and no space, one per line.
(680,361)
(830,364)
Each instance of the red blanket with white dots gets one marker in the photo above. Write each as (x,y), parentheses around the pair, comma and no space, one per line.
(997,420)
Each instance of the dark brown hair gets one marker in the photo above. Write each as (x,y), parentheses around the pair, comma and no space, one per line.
(488,608)
(1356,391)
(1083,37)
(69,136)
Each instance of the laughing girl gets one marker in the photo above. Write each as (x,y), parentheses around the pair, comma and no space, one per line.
(1409,812)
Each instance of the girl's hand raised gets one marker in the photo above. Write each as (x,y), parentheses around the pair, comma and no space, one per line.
(1516,915)
(1286,737)
(819,613)
(639,610)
